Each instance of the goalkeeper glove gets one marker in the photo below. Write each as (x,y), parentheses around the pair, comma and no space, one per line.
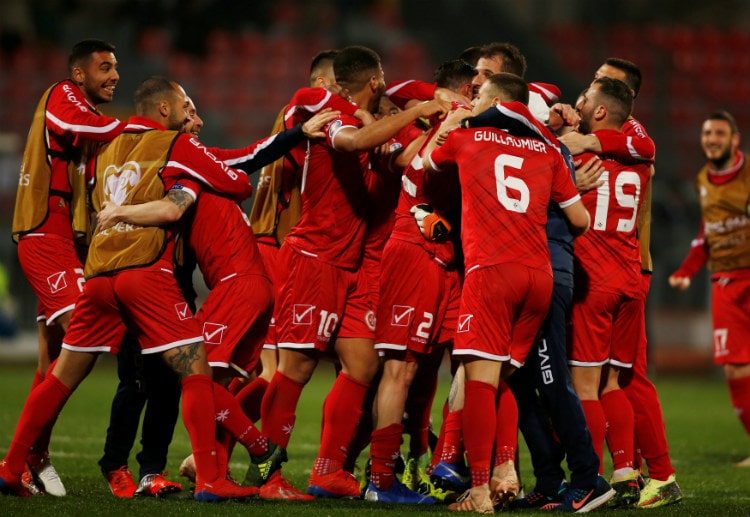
(432,225)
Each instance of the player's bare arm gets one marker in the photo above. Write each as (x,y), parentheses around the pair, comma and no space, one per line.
(166,210)
(377,133)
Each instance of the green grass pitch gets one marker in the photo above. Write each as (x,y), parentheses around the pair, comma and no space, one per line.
(705,438)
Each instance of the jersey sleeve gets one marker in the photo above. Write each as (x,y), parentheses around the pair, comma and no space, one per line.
(309,101)
(443,156)
(632,143)
(401,92)
(696,257)
(68,112)
(259,154)
(190,159)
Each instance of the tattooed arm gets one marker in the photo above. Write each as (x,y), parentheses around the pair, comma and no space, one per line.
(166,210)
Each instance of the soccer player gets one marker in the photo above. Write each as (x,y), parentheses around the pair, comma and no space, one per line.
(506,186)
(129,271)
(721,245)
(321,256)
(417,311)
(650,433)
(50,216)
(237,310)
(543,388)
(276,204)
(607,309)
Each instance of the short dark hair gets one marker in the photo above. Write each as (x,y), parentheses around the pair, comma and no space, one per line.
(81,52)
(632,72)
(618,98)
(725,116)
(471,55)
(514,61)
(514,88)
(453,74)
(319,60)
(353,66)
(152,91)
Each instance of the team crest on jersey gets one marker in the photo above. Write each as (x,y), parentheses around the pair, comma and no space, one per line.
(370,320)
(464,322)
(57,282)
(118,181)
(302,314)
(333,127)
(401,315)
(213,333)
(183,311)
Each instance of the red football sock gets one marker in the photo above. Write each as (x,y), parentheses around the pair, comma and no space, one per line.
(224,441)
(230,416)
(384,447)
(650,432)
(506,436)
(479,426)
(343,411)
(277,411)
(364,430)
(236,385)
(41,444)
(739,392)
(42,406)
(197,404)
(620,430)
(250,397)
(438,452)
(452,436)
(597,424)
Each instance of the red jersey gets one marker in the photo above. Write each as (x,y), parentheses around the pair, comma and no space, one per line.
(335,201)
(384,187)
(608,256)
(631,143)
(413,193)
(223,241)
(64,123)
(506,186)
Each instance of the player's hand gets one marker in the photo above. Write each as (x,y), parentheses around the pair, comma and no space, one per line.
(107,216)
(364,116)
(432,225)
(451,96)
(451,122)
(563,116)
(588,174)
(434,107)
(311,128)
(679,282)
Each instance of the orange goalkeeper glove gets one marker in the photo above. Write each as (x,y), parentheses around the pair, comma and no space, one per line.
(433,226)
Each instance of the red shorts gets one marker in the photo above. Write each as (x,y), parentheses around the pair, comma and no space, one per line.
(269,254)
(310,301)
(55,272)
(235,318)
(359,317)
(419,300)
(730,309)
(606,328)
(148,299)
(502,310)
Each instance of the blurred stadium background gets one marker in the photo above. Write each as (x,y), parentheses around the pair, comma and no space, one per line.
(242,60)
